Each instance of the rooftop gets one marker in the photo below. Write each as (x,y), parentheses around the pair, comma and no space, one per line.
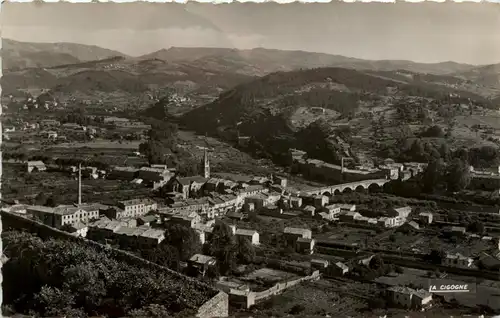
(202,259)
(295,230)
(246,232)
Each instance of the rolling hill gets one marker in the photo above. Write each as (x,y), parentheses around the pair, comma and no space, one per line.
(261,61)
(289,109)
(19,55)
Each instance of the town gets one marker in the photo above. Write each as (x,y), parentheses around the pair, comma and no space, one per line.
(191,160)
(257,238)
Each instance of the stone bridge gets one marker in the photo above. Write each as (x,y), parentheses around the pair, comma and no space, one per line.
(352,186)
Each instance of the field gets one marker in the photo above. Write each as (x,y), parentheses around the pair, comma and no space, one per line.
(21,185)
(347,235)
(311,299)
(101,144)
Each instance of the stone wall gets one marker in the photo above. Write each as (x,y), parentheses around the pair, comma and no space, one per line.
(217,306)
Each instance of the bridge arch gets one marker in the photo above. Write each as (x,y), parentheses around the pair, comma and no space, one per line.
(337,192)
(374,188)
(327,193)
(360,188)
(347,190)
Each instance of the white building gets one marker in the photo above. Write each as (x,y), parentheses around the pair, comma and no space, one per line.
(408,297)
(251,235)
(457,260)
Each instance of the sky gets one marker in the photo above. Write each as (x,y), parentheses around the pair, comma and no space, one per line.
(422,32)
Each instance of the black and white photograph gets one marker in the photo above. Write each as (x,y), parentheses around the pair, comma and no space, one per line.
(250,159)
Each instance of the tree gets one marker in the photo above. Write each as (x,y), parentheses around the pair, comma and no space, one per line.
(458,175)
(222,247)
(436,256)
(185,239)
(476,227)
(52,201)
(150,311)
(433,175)
(246,251)
(53,302)
(433,132)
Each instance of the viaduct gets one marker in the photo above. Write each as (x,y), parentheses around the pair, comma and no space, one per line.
(345,187)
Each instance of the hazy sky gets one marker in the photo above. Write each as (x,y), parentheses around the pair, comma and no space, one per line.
(423,32)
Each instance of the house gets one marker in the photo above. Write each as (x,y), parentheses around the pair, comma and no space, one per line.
(333,209)
(320,201)
(147,220)
(305,245)
(221,204)
(402,212)
(489,262)
(199,264)
(425,217)
(152,175)
(281,181)
(389,222)
(151,237)
(349,217)
(408,298)
(293,233)
(320,264)
(137,207)
(113,212)
(35,166)
(295,202)
(338,269)
(62,215)
(309,210)
(185,220)
(78,229)
(455,230)
(123,173)
(457,260)
(250,235)
(347,207)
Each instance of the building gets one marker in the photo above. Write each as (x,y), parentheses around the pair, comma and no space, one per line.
(425,217)
(320,201)
(402,212)
(220,204)
(457,260)
(293,233)
(123,173)
(137,207)
(156,176)
(35,166)
(200,206)
(338,269)
(349,217)
(409,298)
(15,208)
(305,245)
(63,214)
(188,187)
(250,235)
(147,220)
(320,264)
(199,264)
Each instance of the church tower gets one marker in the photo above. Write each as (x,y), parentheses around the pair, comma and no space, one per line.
(206,165)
